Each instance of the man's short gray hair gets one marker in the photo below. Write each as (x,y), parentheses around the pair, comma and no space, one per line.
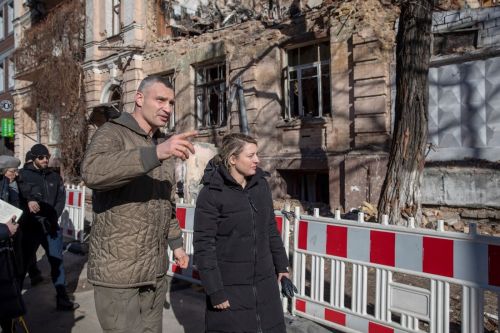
(152,79)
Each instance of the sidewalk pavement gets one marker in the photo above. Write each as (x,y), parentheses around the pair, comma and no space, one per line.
(183,312)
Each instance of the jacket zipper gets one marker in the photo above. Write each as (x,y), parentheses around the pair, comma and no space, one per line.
(252,209)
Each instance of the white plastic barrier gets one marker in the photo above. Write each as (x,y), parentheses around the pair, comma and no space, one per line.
(73,216)
(325,249)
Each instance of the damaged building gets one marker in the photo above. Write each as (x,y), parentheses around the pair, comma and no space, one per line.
(295,75)
(312,80)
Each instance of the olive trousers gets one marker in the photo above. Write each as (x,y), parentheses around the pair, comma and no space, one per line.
(131,310)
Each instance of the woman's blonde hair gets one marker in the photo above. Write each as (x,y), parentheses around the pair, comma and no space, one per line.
(232,144)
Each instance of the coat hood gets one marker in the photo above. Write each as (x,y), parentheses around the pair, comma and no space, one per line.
(127,120)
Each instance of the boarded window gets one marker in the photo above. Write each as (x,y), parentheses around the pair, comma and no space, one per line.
(464,110)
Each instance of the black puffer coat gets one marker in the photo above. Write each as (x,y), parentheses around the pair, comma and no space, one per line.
(238,251)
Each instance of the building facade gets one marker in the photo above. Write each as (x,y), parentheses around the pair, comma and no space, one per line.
(314,93)
(6,77)
(313,81)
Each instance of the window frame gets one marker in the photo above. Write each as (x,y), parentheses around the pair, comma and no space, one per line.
(2,75)
(203,120)
(170,76)
(10,17)
(2,23)
(11,82)
(298,69)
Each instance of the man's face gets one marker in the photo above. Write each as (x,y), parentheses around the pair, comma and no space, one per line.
(157,103)
(41,162)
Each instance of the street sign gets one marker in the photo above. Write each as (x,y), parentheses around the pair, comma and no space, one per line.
(6,105)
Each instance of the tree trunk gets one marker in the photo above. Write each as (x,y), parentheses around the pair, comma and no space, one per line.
(400,196)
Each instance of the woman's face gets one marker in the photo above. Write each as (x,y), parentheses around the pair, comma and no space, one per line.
(11,174)
(246,162)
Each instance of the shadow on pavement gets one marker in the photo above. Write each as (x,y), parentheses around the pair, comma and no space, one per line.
(187,302)
(40,300)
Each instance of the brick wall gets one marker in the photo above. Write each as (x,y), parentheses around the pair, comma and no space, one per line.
(487,20)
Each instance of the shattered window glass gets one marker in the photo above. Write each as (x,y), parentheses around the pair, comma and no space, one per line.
(170,76)
(211,96)
(308,81)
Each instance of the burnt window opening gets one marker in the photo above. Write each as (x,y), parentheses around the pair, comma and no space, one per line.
(307,186)
(308,81)
(210,87)
(455,42)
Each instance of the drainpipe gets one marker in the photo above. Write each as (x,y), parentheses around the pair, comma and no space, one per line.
(243,108)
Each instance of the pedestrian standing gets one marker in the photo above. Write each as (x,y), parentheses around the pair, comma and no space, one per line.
(43,190)
(129,166)
(237,247)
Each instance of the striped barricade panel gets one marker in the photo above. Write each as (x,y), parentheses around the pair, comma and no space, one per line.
(443,257)
(458,257)
(340,319)
(185,216)
(72,220)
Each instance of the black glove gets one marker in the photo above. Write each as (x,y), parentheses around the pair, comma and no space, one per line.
(287,287)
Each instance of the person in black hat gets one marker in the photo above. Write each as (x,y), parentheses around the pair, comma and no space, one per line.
(45,196)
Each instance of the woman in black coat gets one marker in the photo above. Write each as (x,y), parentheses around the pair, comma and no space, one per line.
(237,248)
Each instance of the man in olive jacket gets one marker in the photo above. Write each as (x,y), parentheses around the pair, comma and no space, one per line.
(129,165)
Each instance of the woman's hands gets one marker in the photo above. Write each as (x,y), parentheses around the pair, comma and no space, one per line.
(12,226)
(281,275)
(287,287)
(224,305)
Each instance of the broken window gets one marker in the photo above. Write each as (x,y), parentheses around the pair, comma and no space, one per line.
(308,81)
(113,24)
(454,42)
(307,186)
(170,76)
(2,76)
(10,71)
(211,95)
(2,24)
(10,17)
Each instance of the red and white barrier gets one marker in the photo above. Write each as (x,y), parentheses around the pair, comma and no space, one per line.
(469,260)
(330,251)
(185,216)
(73,216)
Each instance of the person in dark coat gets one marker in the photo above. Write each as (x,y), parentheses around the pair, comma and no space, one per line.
(45,198)
(237,247)
(11,302)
